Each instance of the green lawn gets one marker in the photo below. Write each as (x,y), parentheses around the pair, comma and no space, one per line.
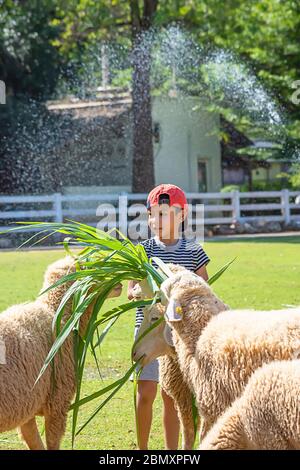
(265,275)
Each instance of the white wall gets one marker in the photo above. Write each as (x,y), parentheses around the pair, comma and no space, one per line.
(184,139)
(186,136)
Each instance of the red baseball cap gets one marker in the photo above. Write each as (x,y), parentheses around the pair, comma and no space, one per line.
(176,195)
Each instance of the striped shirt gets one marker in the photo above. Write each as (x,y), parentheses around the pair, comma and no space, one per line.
(185,252)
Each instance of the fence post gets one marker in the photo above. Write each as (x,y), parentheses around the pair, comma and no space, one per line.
(123,213)
(236,211)
(57,207)
(285,203)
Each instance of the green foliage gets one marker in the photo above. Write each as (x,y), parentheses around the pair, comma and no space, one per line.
(274,185)
(102,262)
(234,187)
(29,63)
(282,181)
(45,43)
(294,176)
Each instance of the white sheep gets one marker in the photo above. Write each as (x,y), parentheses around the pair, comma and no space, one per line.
(26,338)
(266,416)
(170,376)
(218,350)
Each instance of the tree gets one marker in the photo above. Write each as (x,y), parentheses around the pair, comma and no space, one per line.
(83,23)
(143,178)
(41,41)
(29,63)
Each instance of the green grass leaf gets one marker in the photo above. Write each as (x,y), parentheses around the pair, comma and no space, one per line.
(219,273)
(102,262)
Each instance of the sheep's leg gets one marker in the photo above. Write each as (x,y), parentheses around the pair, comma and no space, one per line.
(185,415)
(29,432)
(183,403)
(174,386)
(55,425)
(205,425)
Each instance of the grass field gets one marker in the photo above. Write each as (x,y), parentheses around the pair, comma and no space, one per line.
(265,275)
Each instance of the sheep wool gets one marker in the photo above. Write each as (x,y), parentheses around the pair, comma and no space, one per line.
(266,416)
(26,333)
(219,349)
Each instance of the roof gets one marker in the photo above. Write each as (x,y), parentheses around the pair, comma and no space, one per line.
(109,102)
(235,140)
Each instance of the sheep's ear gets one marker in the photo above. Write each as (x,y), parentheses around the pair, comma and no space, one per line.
(168,286)
(174,311)
(164,292)
(166,289)
(163,298)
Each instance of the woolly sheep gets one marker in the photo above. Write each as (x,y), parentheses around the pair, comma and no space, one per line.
(26,338)
(217,349)
(170,376)
(266,416)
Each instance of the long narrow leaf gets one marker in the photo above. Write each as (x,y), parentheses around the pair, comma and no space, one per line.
(104,332)
(219,273)
(64,334)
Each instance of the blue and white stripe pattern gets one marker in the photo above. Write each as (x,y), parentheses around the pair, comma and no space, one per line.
(185,252)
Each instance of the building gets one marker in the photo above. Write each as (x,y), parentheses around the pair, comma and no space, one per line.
(98,157)
(82,146)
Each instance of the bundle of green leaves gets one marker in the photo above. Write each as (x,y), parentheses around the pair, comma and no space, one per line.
(101,262)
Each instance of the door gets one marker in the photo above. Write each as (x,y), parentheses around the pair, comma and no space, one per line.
(202,176)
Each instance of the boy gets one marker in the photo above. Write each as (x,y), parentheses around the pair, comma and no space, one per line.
(167,210)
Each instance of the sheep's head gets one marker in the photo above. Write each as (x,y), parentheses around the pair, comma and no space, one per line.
(142,289)
(158,342)
(56,271)
(53,273)
(188,303)
(154,343)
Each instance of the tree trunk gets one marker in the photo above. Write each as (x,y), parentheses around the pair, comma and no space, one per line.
(143,178)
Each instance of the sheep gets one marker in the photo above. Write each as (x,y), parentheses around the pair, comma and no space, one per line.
(26,337)
(267,414)
(170,376)
(218,349)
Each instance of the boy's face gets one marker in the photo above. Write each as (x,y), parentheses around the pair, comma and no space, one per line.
(165,220)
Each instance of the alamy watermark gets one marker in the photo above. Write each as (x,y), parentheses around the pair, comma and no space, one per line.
(135,221)
(2,92)
(295,98)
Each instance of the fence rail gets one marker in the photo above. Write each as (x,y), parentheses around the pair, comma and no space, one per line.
(219,208)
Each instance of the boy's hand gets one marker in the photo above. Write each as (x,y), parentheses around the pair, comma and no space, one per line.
(139,290)
(136,292)
(131,285)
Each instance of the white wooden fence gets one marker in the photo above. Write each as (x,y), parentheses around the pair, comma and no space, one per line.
(219,208)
